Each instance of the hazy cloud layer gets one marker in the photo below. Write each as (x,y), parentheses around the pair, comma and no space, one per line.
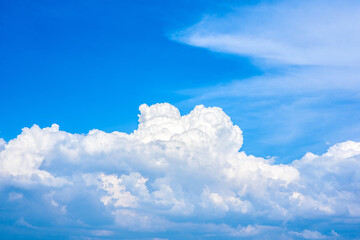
(170,171)
(290,32)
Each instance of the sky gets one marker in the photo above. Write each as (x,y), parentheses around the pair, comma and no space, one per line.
(179,119)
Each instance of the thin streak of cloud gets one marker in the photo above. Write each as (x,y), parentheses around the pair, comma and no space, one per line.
(308,52)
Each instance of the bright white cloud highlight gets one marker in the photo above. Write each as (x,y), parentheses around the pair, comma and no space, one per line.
(175,165)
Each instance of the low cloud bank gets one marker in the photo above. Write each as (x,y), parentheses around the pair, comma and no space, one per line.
(177,167)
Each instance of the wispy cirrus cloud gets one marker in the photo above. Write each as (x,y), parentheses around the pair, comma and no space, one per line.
(287,32)
(308,53)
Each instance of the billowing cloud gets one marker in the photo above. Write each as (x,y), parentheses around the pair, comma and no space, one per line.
(176,168)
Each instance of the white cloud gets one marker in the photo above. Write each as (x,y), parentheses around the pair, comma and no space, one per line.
(181,166)
(101,233)
(14,196)
(331,179)
(21,222)
(23,156)
(291,32)
(140,221)
(307,234)
(307,54)
(115,191)
(49,197)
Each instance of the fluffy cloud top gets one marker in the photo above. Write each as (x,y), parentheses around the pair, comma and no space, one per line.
(180,166)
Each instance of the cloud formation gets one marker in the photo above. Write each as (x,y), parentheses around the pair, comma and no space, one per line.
(177,167)
(304,38)
(307,51)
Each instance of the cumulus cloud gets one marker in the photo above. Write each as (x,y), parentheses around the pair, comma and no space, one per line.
(332,178)
(179,166)
(112,185)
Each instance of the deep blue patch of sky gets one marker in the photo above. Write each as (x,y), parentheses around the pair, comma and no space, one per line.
(90,64)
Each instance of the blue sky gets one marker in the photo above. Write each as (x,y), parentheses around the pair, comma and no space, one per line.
(248,125)
(86,64)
